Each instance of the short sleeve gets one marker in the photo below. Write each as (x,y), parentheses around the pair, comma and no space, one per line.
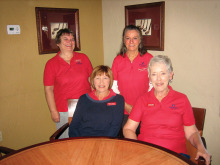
(188,117)
(89,65)
(49,74)
(137,110)
(115,69)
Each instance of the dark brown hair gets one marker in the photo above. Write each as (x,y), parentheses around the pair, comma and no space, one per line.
(61,32)
(141,48)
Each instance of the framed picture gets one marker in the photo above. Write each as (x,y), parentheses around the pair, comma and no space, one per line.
(50,21)
(150,19)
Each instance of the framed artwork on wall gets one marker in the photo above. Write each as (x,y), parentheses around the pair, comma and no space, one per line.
(150,19)
(50,21)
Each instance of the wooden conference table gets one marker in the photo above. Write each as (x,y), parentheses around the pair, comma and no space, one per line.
(94,151)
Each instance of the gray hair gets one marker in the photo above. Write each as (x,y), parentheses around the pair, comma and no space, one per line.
(160,59)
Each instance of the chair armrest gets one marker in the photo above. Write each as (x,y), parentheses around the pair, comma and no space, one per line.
(191,150)
(5,150)
(59,132)
(201,161)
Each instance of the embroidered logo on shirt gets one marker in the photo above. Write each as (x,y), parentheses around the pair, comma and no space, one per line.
(142,64)
(112,103)
(78,61)
(173,107)
(150,105)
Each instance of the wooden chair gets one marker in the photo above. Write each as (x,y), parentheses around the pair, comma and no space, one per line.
(5,150)
(59,132)
(71,109)
(199,114)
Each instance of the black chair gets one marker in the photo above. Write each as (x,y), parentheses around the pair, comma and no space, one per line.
(5,150)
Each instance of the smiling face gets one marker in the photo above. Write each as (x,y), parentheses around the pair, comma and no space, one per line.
(132,40)
(160,77)
(101,83)
(67,42)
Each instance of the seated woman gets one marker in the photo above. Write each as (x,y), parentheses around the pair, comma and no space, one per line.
(100,112)
(166,115)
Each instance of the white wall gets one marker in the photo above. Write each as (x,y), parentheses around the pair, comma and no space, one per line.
(192,41)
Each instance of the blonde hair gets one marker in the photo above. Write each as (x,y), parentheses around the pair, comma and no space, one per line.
(100,70)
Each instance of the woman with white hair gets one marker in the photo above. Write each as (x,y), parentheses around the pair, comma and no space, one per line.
(166,115)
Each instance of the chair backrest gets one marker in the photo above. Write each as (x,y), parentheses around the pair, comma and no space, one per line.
(199,114)
(70,119)
(71,108)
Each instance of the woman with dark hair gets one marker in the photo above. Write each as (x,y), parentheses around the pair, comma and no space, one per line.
(100,112)
(66,76)
(130,68)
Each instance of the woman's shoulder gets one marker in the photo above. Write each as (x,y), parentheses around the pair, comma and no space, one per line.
(119,56)
(80,54)
(84,96)
(118,59)
(147,55)
(119,96)
(144,98)
(54,60)
(178,94)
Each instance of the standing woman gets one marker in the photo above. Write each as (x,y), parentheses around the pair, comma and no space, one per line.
(130,68)
(65,77)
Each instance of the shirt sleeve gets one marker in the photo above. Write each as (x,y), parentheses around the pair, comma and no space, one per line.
(115,69)
(137,110)
(49,74)
(76,120)
(89,65)
(188,117)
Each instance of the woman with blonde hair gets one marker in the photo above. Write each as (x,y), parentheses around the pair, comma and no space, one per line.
(100,112)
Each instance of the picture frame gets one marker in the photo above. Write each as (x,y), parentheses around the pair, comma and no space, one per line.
(49,21)
(150,17)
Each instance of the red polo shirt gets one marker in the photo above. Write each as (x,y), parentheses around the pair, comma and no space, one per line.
(162,123)
(132,77)
(70,81)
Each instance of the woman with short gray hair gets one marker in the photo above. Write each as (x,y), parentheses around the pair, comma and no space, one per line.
(166,115)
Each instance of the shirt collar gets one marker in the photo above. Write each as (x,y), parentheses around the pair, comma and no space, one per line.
(170,93)
(138,56)
(94,97)
(62,61)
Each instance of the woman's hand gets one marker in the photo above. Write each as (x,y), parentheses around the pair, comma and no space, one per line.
(204,153)
(128,107)
(51,103)
(55,116)
(192,134)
